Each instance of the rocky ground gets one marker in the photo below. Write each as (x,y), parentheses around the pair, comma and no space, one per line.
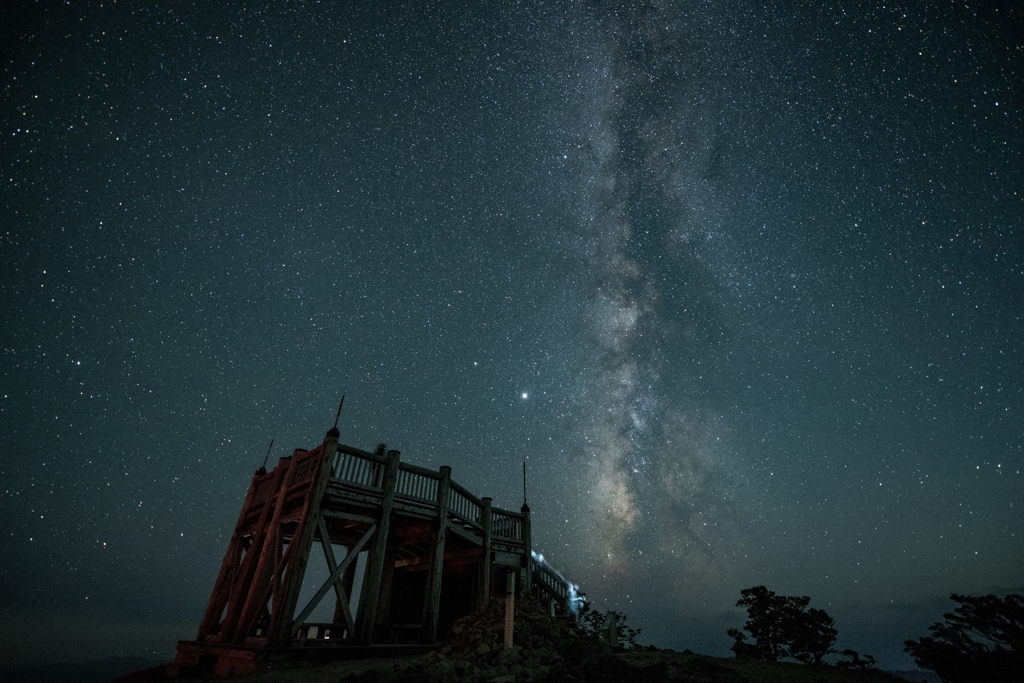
(546,650)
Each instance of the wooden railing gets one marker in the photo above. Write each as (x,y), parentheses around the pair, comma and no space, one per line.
(264,490)
(366,470)
(417,482)
(307,463)
(506,524)
(354,466)
(551,583)
(464,506)
(548,582)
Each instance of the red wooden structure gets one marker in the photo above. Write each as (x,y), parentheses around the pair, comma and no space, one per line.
(434,553)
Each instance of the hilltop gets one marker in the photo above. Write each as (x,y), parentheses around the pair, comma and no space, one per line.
(547,651)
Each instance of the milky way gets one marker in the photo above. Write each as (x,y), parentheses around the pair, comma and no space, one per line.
(653,453)
(740,283)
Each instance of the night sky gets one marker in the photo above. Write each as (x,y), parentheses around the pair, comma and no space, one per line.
(743,283)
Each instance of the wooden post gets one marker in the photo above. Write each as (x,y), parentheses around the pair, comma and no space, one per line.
(528,557)
(280,630)
(485,561)
(258,591)
(230,567)
(243,584)
(375,564)
(342,614)
(347,582)
(510,606)
(436,570)
(387,578)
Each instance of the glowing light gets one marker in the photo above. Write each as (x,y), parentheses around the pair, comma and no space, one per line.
(571,589)
(524,394)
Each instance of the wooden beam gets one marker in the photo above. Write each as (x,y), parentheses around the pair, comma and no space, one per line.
(510,607)
(231,564)
(460,529)
(302,541)
(450,557)
(259,590)
(241,584)
(412,533)
(348,516)
(375,566)
(331,582)
(337,494)
(386,583)
(436,571)
(415,508)
(340,594)
(485,565)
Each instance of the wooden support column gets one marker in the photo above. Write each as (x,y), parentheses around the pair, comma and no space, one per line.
(342,614)
(347,582)
(528,557)
(375,565)
(510,606)
(387,578)
(436,567)
(254,600)
(332,582)
(332,563)
(242,584)
(295,569)
(230,566)
(485,562)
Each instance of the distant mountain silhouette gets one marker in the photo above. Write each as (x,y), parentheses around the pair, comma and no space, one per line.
(98,671)
(918,676)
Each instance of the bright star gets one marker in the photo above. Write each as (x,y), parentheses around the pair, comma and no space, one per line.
(524,394)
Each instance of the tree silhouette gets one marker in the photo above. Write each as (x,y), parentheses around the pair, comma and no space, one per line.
(595,624)
(814,635)
(782,626)
(981,640)
(855,662)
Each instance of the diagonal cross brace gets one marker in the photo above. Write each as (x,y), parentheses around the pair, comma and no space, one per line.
(332,565)
(334,578)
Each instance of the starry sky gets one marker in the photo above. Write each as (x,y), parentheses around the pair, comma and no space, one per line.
(742,283)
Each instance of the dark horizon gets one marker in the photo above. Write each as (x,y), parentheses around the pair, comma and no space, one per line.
(743,286)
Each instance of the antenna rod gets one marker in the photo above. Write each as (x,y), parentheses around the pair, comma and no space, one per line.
(268,452)
(338,416)
(524,482)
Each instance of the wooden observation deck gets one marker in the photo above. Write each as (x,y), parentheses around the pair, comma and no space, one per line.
(435,552)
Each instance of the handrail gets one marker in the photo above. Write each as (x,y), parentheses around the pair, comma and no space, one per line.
(548,580)
(307,464)
(357,467)
(366,470)
(342,448)
(507,513)
(415,483)
(508,526)
(464,506)
(473,499)
(264,490)
(419,470)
